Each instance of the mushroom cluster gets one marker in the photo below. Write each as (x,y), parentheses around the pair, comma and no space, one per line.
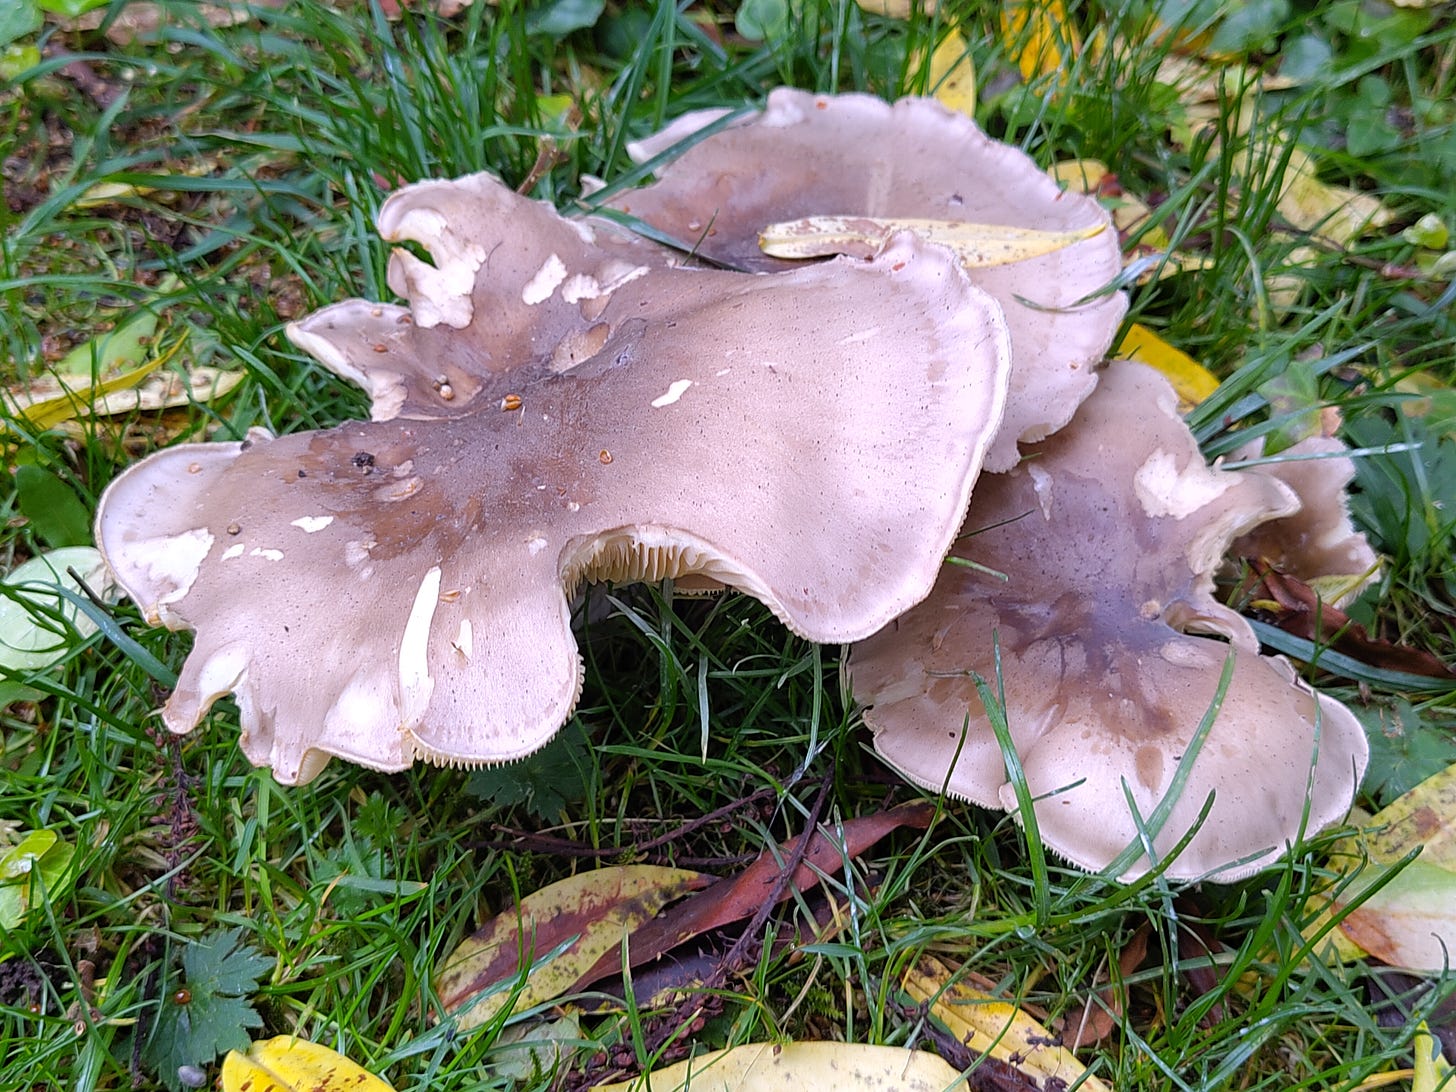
(563,400)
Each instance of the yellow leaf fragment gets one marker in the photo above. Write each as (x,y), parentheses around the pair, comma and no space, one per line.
(795,1067)
(953,75)
(991,1026)
(87,375)
(1336,213)
(1190,379)
(1411,921)
(898,9)
(1039,36)
(1424,817)
(1431,1067)
(977,245)
(289,1064)
(598,908)
(1079,175)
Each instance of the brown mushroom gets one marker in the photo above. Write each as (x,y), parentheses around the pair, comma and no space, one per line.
(399,589)
(853,155)
(1105,539)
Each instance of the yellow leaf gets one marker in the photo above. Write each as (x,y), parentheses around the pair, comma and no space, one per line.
(1079,175)
(952,74)
(1431,1067)
(289,1064)
(1037,34)
(977,245)
(897,9)
(1424,817)
(589,913)
(1411,921)
(1190,379)
(81,379)
(991,1026)
(795,1067)
(1336,213)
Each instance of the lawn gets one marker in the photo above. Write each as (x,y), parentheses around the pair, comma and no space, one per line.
(180,186)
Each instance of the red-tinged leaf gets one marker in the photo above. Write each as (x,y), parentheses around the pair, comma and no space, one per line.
(1300,611)
(739,897)
(589,913)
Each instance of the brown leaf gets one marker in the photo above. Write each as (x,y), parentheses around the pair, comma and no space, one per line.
(1099,1016)
(737,897)
(1300,611)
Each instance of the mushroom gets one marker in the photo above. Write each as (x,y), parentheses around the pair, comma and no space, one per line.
(1319,541)
(811,155)
(1091,595)
(399,588)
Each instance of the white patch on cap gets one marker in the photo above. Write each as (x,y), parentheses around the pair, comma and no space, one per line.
(266,555)
(535,544)
(547,279)
(675,390)
(415,684)
(1041,481)
(1165,491)
(309,524)
(233,551)
(863,335)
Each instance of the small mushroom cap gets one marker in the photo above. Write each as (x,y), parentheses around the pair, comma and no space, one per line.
(855,155)
(1319,540)
(1107,534)
(399,589)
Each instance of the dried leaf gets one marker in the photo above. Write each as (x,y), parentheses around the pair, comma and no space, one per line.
(108,363)
(1411,921)
(1299,608)
(794,1067)
(953,75)
(992,1026)
(1190,379)
(589,914)
(1099,1016)
(1041,38)
(289,1064)
(739,897)
(977,245)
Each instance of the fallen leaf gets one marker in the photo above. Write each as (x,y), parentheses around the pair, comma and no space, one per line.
(110,362)
(38,625)
(1411,921)
(739,897)
(1038,34)
(1432,1070)
(998,1028)
(1335,213)
(587,916)
(898,9)
(1190,379)
(794,1067)
(953,75)
(1103,1009)
(290,1064)
(977,245)
(1299,609)
(38,865)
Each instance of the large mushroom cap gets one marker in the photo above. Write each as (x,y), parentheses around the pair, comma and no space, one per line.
(398,588)
(855,155)
(1107,535)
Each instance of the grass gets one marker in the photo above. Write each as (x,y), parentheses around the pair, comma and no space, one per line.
(248,162)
